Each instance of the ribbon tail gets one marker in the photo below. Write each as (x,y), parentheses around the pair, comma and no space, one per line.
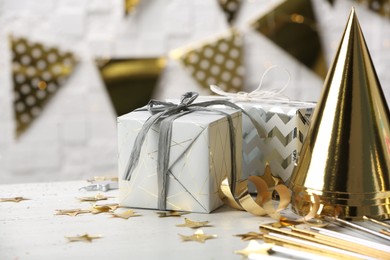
(135,153)
(164,145)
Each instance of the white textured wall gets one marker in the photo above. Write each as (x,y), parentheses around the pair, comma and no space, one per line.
(75,137)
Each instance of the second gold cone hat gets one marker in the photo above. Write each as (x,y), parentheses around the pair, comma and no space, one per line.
(345,158)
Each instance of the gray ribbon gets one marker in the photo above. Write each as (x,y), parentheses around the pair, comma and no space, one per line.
(166,113)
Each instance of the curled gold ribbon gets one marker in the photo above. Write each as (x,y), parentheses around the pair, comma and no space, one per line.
(260,206)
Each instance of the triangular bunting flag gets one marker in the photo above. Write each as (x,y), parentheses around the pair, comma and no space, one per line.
(38,72)
(130,5)
(381,7)
(130,82)
(292,26)
(230,8)
(217,62)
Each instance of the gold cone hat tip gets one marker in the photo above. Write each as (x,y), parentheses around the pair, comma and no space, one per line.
(346,155)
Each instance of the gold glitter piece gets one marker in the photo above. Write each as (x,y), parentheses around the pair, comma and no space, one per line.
(173,213)
(250,236)
(126,214)
(193,224)
(198,236)
(14,199)
(83,238)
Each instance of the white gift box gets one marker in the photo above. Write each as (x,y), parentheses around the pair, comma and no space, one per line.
(200,159)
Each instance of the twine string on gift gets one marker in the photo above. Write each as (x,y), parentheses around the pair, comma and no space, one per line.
(166,113)
(260,93)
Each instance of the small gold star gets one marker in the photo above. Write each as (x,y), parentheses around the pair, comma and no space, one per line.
(193,224)
(95,198)
(198,236)
(103,178)
(84,238)
(97,209)
(285,222)
(250,236)
(71,212)
(173,213)
(14,199)
(255,248)
(125,215)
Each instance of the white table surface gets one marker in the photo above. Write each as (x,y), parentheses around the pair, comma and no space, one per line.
(31,230)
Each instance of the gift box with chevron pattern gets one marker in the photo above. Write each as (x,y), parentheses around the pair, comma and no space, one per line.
(285,125)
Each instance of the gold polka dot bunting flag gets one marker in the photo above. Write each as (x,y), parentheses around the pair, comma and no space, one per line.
(230,8)
(215,62)
(292,26)
(38,73)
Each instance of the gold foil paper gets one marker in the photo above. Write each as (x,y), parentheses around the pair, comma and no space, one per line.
(130,5)
(38,72)
(130,82)
(216,62)
(345,159)
(293,27)
(230,8)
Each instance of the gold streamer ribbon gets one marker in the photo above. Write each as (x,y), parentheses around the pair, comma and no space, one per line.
(261,205)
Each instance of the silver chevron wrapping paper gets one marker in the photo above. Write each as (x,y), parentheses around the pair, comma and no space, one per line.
(285,125)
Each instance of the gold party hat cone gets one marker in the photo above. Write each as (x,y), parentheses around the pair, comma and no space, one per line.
(345,158)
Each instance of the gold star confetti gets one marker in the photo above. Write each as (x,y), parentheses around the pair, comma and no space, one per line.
(71,212)
(126,214)
(102,178)
(166,214)
(285,222)
(255,248)
(97,197)
(83,238)
(193,224)
(250,236)
(14,199)
(198,236)
(96,209)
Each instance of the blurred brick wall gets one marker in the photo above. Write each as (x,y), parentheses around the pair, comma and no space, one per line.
(75,137)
